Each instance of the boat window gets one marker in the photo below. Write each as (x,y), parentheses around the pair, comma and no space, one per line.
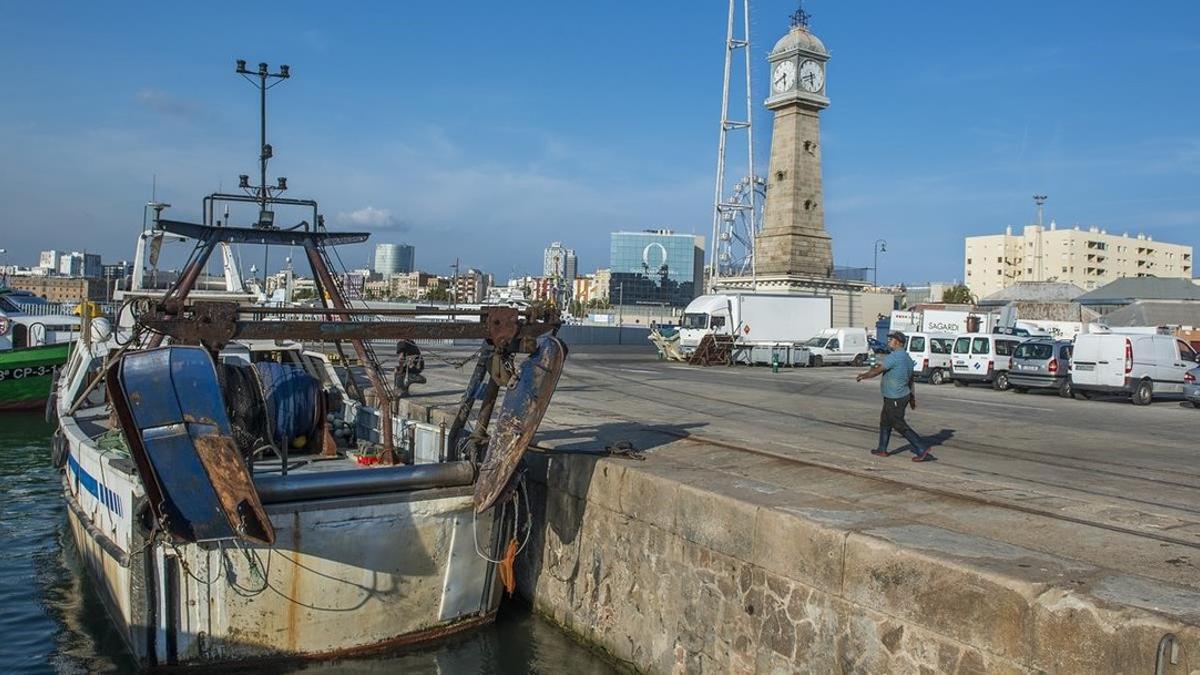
(940,345)
(980,346)
(20,336)
(9,306)
(962,345)
(694,321)
(916,343)
(1032,350)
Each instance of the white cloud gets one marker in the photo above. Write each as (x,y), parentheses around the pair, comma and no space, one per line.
(369,216)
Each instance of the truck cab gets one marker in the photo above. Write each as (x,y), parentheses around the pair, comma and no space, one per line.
(706,314)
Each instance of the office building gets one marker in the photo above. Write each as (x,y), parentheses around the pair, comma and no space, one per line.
(656,267)
(49,260)
(1088,258)
(76,264)
(393,259)
(560,262)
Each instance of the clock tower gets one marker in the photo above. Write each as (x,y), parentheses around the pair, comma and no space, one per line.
(793,241)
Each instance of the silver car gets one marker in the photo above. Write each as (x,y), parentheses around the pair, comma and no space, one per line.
(1041,363)
(1191,386)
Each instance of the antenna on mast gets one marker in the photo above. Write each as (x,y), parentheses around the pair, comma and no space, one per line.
(263,193)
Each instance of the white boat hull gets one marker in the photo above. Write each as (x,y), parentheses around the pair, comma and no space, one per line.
(345,575)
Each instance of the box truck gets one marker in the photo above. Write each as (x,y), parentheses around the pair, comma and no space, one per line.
(755,320)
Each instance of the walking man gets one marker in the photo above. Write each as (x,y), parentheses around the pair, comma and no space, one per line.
(897,370)
(408,372)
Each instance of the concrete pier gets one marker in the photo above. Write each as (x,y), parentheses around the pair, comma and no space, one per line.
(759,536)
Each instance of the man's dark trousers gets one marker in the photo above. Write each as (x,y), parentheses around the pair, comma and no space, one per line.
(892,417)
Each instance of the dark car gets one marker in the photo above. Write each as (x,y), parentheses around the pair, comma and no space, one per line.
(1041,363)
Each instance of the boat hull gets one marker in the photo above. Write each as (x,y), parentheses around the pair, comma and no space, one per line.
(27,375)
(354,574)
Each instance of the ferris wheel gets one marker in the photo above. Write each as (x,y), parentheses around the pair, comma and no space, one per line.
(740,218)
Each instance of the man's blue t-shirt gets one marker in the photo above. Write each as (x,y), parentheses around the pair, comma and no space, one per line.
(898,368)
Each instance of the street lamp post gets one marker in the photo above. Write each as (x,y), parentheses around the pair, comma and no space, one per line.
(880,247)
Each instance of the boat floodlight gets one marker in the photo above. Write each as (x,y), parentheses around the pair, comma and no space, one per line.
(281,183)
(243,181)
(285,71)
(266,218)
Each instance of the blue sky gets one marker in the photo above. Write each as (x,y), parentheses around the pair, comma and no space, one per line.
(487,130)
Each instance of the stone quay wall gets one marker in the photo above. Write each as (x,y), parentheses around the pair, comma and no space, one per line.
(674,568)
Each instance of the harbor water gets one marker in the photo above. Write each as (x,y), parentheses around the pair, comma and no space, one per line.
(51,619)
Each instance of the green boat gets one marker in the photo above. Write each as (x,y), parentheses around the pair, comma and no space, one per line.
(26,375)
(32,347)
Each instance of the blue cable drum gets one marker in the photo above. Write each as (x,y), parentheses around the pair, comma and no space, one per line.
(292,399)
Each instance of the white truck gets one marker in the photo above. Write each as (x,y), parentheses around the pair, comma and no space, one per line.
(759,321)
(838,345)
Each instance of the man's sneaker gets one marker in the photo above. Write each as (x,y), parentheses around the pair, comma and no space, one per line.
(881,453)
(926,456)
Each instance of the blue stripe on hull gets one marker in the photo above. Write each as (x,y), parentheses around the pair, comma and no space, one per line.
(95,488)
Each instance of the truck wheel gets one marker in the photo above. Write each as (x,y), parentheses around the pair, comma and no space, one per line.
(1001,381)
(937,377)
(817,362)
(1065,389)
(858,360)
(1143,394)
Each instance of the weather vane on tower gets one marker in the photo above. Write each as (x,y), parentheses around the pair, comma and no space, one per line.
(800,18)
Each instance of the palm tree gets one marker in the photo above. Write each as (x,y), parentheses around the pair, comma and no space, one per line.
(958,295)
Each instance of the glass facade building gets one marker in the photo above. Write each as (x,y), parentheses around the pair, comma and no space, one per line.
(655,267)
(393,259)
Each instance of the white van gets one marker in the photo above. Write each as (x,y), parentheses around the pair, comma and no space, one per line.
(1141,365)
(930,354)
(980,357)
(838,345)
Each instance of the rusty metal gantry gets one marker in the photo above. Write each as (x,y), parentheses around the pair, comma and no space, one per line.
(214,324)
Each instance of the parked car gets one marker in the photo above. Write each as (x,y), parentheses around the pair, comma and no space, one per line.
(982,358)
(1141,365)
(930,354)
(1042,363)
(1191,387)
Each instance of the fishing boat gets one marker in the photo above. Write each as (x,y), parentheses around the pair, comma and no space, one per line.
(236,498)
(32,347)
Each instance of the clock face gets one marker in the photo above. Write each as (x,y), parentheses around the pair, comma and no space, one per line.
(812,77)
(784,76)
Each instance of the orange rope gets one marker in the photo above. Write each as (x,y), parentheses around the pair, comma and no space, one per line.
(507,577)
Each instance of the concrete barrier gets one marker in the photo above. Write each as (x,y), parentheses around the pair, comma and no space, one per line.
(673,566)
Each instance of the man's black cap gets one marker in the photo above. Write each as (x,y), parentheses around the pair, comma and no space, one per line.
(897,335)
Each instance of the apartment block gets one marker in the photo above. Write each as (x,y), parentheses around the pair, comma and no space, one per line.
(1088,258)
